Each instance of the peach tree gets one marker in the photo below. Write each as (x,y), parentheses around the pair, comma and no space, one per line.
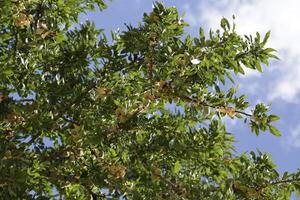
(86,116)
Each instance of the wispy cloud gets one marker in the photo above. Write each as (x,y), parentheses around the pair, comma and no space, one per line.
(281,17)
(292,139)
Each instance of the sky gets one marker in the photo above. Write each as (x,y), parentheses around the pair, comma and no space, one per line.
(278,85)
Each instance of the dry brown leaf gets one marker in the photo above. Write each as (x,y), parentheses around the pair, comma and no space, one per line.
(39,31)
(45,34)
(3,97)
(160,84)
(23,20)
(228,111)
(149,96)
(118,171)
(102,91)
(121,115)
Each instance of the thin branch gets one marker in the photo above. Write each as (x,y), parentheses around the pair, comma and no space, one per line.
(176,188)
(244,113)
(25,100)
(282,182)
(211,106)
(272,183)
(70,121)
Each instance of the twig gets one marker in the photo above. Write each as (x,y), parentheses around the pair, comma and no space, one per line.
(212,106)
(25,100)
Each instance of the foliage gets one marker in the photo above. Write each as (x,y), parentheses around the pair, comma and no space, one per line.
(102,107)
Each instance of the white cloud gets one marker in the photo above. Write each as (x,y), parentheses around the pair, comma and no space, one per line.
(281,17)
(292,140)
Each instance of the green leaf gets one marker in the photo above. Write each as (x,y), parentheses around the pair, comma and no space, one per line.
(8,72)
(241,70)
(266,38)
(274,131)
(225,24)
(273,56)
(257,38)
(285,175)
(59,37)
(269,50)
(273,118)
(202,35)
(258,66)
(177,167)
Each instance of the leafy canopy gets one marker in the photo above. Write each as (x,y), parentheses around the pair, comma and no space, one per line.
(84,117)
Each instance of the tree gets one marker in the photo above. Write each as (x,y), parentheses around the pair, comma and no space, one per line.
(80,114)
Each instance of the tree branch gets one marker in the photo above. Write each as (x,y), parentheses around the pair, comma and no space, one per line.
(24,100)
(211,106)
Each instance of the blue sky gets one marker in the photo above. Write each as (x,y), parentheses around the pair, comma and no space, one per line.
(279,85)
